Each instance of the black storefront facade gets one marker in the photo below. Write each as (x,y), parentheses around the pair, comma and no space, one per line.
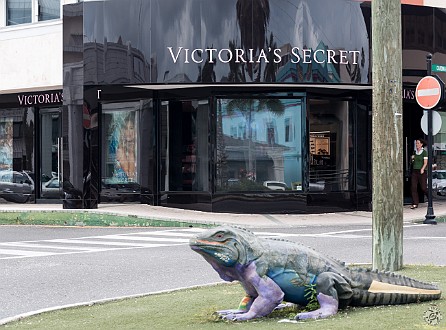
(234,106)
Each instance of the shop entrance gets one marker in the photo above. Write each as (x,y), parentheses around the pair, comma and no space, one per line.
(184,146)
(48,182)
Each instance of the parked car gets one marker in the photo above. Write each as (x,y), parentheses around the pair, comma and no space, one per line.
(51,189)
(439,182)
(275,185)
(16,186)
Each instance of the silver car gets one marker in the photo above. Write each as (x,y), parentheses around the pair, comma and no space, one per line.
(16,186)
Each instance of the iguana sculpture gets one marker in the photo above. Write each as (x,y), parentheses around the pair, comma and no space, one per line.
(274,271)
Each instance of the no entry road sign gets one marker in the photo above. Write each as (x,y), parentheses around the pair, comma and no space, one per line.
(428,92)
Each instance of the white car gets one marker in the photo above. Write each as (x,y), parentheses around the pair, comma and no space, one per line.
(275,185)
(439,181)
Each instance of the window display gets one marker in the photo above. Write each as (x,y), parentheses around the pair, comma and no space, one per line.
(259,144)
(120,128)
(6,138)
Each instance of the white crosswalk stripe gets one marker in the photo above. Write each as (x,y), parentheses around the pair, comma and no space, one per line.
(136,240)
(90,244)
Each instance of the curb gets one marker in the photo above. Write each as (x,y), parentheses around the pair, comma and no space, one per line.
(86,218)
(100,301)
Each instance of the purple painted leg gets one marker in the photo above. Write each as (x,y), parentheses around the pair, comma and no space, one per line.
(329,307)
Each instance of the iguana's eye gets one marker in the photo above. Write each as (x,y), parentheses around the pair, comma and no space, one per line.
(219,235)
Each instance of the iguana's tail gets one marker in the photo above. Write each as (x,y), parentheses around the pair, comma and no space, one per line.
(386,288)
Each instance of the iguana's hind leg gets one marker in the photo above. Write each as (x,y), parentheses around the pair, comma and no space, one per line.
(331,288)
(329,307)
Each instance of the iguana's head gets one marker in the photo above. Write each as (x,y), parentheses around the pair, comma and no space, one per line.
(227,245)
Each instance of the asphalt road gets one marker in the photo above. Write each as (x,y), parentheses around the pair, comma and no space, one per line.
(44,267)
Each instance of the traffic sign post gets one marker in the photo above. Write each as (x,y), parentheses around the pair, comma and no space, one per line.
(429,93)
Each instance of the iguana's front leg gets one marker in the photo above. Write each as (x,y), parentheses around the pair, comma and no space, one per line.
(243,307)
(269,296)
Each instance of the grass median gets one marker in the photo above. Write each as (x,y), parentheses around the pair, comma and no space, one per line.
(193,308)
(86,218)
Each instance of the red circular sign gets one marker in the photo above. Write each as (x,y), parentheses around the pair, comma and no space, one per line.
(428,92)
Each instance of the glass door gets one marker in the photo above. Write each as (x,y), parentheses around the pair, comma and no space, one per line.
(184,146)
(49,187)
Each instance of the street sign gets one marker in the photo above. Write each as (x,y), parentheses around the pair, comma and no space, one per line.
(438,68)
(436,122)
(428,92)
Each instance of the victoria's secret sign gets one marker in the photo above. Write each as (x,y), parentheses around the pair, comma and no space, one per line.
(239,55)
(40,98)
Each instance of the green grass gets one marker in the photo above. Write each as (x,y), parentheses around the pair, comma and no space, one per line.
(86,218)
(193,309)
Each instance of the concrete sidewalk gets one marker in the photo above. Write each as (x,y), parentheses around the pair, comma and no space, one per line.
(142,211)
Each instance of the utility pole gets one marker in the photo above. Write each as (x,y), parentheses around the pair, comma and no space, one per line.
(387,137)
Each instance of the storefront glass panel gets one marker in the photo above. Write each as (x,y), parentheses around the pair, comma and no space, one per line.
(17,155)
(259,144)
(49,154)
(120,153)
(331,146)
(185,145)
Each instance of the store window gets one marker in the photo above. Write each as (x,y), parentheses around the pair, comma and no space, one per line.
(331,146)
(267,154)
(185,145)
(18,12)
(17,155)
(120,153)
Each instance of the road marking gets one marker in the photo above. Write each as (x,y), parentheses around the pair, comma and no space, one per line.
(44,246)
(24,253)
(147,239)
(136,244)
(152,239)
(140,240)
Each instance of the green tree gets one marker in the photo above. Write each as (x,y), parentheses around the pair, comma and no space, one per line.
(253,19)
(271,67)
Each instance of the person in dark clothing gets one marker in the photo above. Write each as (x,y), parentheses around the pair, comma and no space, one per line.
(418,175)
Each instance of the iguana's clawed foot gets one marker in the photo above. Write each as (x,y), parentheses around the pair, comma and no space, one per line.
(329,307)
(232,315)
(229,311)
(284,305)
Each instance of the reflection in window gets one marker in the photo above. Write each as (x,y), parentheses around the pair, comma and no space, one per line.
(49,9)
(18,11)
(16,155)
(263,158)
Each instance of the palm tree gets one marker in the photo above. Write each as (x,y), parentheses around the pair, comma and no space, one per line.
(207,73)
(236,70)
(246,107)
(271,67)
(253,19)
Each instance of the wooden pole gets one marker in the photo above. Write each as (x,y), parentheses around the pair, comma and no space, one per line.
(387,137)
